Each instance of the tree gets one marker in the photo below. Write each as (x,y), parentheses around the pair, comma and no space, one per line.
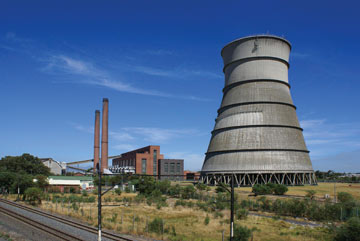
(25,163)
(42,181)
(349,231)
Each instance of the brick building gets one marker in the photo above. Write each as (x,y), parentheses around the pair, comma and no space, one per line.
(174,168)
(141,161)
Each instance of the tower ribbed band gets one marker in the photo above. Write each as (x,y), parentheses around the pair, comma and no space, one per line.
(257,131)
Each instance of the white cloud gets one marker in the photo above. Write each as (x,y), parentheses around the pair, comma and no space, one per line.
(82,128)
(121,136)
(324,138)
(159,134)
(61,64)
(176,73)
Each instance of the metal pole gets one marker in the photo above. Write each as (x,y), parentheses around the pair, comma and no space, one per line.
(99,203)
(232,209)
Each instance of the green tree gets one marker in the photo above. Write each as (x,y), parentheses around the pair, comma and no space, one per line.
(42,181)
(24,163)
(6,180)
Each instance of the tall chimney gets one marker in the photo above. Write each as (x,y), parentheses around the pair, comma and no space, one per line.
(104,136)
(97,139)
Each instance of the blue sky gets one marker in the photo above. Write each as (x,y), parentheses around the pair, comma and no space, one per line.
(159,64)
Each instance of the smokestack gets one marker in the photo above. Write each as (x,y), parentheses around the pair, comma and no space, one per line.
(104,136)
(96,139)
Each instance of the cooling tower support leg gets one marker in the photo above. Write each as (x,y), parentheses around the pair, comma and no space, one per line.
(250,179)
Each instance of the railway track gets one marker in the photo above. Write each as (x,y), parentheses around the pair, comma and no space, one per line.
(51,230)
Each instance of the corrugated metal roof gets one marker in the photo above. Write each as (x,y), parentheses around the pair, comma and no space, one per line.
(81,178)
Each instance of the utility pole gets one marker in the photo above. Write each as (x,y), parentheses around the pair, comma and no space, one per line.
(232,209)
(99,201)
(232,200)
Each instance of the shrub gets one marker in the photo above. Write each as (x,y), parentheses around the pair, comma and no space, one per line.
(127,189)
(207,220)
(242,213)
(280,189)
(310,194)
(33,195)
(261,189)
(156,225)
(201,186)
(241,233)
(118,191)
(220,189)
(344,197)
(188,192)
(84,193)
(349,230)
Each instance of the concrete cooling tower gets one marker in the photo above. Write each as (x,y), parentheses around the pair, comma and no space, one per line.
(257,137)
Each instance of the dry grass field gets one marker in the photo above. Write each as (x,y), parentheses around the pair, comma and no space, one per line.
(321,189)
(189,223)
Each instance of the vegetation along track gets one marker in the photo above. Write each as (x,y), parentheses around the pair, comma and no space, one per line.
(52,230)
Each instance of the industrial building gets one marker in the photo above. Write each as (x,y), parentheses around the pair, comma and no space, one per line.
(65,182)
(141,161)
(257,137)
(148,160)
(57,168)
(171,169)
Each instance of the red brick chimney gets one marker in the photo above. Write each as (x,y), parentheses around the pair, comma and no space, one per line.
(104,135)
(96,139)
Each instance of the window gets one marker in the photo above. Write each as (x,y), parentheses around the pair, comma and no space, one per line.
(143,166)
(166,167)
(178,168)
(155,161)
(172,168)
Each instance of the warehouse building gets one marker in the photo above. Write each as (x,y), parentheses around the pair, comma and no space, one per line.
(171,169)
(140,161)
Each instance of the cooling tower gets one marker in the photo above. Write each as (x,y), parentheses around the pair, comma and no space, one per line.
(257,137)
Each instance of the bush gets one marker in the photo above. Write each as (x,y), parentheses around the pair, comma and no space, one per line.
(259,189)
(344,197)
(207,220)
(118,191)
(310,194)
(84,193)
(201,186)
(156,225)
(127,189)
(220,189)
(280,189)
(33,195)
(242,213)
(241,233)
(349,231)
